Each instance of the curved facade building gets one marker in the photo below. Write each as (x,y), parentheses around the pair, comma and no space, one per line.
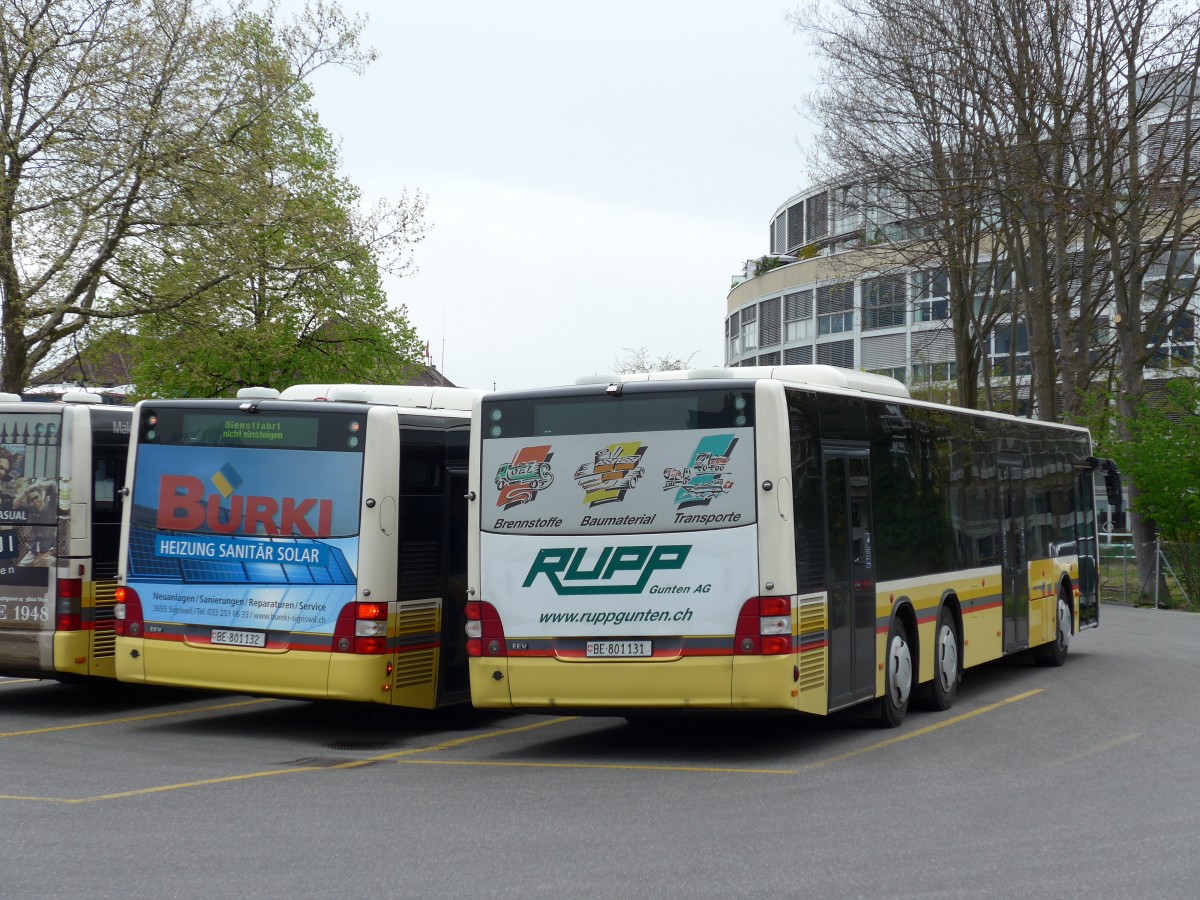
(836,296)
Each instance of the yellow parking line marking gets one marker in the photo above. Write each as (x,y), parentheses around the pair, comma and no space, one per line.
(4,681)
(635,767)
(469,739)
(224,779)
(126,719)
(732,770)
(406,756)
(166,787)
(1101,748)
(920,732)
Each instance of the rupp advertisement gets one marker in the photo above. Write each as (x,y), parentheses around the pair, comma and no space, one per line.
(619,534)
(234,537)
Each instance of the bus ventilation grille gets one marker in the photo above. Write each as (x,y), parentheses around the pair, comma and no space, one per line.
(415,668)
(810,616)
(420,617)
(104,640)
(419,569)
(417,623)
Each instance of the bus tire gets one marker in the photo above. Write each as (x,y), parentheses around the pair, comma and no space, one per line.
(947,664)
(897,677)
(1054,654)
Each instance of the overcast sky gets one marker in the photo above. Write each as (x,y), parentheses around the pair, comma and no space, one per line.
(594,174)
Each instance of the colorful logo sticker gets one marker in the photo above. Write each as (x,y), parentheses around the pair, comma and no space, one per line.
(704,476)
(613,474)
(520,480)
(226,480)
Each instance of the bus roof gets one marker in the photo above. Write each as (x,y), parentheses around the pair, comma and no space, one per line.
(413,396)
(828,376)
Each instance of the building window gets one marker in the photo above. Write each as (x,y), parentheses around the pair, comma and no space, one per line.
(884,302)
(932,292)
(899,373)
(836,353)
(749,329)
(931,373)
(768,321)
(835,308)
(1183,341)
(797,356)
(816,223)
(797,316)
(1010,352)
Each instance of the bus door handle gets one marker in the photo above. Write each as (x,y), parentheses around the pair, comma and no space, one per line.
(783,499)
(387,515)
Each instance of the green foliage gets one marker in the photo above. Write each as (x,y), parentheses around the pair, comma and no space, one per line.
(284,276)
(766,263)
(1163,459)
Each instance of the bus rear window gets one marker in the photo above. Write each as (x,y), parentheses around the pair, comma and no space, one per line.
(235,428)
(630,412)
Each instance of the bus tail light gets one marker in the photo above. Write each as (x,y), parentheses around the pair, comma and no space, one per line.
(764,627)
(127,613)
(361,628)
(67,609)
(485,631)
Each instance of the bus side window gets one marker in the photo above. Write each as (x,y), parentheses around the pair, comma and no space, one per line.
(104,486)
(808,498)
(422,461)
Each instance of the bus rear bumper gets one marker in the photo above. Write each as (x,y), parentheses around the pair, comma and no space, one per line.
(26,653)
(300,674)
(716,682)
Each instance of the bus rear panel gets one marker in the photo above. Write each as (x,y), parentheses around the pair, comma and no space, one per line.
(278,548)
(62,467)
(618,550)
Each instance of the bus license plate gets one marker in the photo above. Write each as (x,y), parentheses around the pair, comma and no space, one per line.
(239,638)
(617,648)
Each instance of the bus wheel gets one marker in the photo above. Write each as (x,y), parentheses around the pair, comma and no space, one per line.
(897,678)
(946,666)
(1055,654)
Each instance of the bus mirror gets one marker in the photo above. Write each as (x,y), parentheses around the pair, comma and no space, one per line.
(1112,481)
(1112,485)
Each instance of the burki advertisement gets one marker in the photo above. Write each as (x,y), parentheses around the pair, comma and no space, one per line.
(245,538)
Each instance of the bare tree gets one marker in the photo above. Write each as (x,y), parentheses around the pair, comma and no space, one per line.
(642,360)
(1060,140)
(902,125)
(1145,207)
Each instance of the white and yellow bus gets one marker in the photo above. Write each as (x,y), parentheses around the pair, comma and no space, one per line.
(308,544)
(799,537)
(62,466)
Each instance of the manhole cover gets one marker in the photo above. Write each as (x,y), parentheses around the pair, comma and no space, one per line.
(362,746)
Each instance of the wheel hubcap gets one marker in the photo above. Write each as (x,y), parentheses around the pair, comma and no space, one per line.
(900,659)
(1064,624)
(947,658)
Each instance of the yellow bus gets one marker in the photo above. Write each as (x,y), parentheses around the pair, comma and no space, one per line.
(62,467)
(308,544)
(795,537)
